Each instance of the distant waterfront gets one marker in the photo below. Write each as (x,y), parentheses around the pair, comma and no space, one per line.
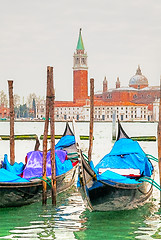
(81,121)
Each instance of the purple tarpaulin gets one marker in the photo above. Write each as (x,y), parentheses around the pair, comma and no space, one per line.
(33,167)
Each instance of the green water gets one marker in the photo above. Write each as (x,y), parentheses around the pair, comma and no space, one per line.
(71,220)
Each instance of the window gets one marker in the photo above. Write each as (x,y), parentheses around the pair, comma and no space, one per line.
(109,96)
(77,61)
(83,61)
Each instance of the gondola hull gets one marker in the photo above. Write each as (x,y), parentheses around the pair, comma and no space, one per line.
(103,196)
(19,194)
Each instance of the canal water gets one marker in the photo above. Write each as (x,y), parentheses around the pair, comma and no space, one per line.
(70,219)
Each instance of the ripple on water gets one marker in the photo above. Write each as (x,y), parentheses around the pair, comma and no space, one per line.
(59,223)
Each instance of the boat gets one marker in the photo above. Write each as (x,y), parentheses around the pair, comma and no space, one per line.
(26,191)
(120,181)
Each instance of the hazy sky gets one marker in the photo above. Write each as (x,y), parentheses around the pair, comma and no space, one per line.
(117,34)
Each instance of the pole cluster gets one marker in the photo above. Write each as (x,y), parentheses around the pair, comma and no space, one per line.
(50,100)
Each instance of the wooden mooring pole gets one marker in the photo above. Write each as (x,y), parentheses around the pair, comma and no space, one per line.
(44,194)
(159,139)
(114,125)
(11,104)
(91,118)
(52,131)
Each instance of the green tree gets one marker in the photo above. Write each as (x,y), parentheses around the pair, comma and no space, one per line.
(34,107)
(24,111)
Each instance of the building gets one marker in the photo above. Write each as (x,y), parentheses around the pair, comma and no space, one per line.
(4,112)
(138,91)
(132,103)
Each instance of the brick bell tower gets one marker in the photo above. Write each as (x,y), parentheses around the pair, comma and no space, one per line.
(80,72)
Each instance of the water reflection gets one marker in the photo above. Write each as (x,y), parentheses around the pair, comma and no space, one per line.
(71,220)
(151,227)
(46,222)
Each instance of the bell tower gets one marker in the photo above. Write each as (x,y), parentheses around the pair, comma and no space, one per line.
(105,85)
(118,83)
(80,72)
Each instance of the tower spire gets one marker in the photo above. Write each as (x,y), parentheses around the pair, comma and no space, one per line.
(80,45)
(105,85)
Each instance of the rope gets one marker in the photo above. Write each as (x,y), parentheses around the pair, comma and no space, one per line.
(76,157)
(152,157)
(41,178)
(73,153)
(86,158)
(73,158)
(151,181)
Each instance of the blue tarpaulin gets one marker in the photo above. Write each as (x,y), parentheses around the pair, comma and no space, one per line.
(6,176)
(16,168)
(65,141)
(125,154)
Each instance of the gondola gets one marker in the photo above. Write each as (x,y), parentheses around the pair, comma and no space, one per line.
(120,181)
(22,193)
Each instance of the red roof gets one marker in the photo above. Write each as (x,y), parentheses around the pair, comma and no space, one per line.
(96,103)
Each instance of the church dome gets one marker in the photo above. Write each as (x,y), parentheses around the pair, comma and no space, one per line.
(138,80)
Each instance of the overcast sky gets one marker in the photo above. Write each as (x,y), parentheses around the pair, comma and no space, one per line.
(117,34)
